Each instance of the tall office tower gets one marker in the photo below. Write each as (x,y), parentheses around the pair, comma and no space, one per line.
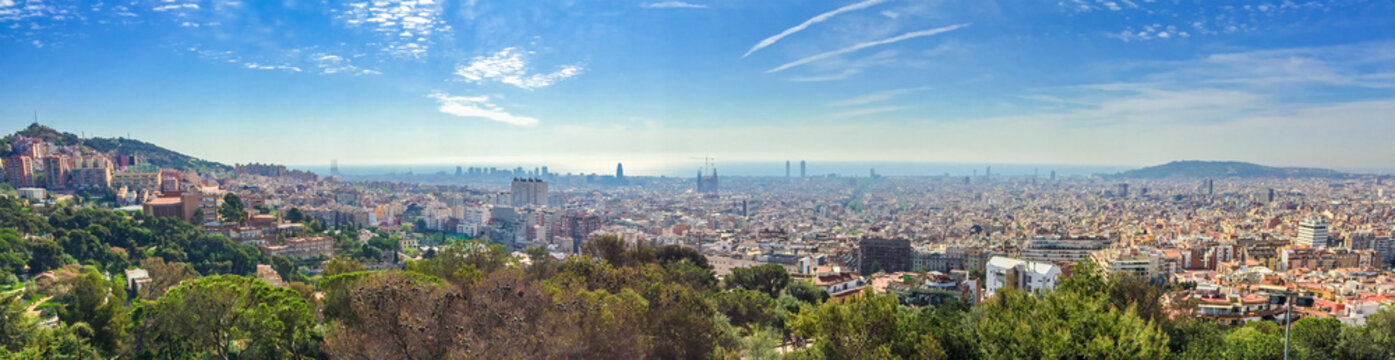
(528,192)
(802,169)
(1312,232)
(619,171)
(1123,190)
(1209,186)
(544,172)
(787,168)
(1269,195)
(1053,175)
(459,171)
(987,173)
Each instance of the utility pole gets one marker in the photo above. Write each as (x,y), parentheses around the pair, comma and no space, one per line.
(1288,320)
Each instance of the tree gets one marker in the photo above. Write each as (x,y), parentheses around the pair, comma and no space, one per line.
(1315,338)
(341,265)
(209,314)
(100,305)
(164,276)
(1014,324)
(1252,342)
(294,215)
(16,328)
(232,210)
(1127,290)
(750,309)
(866,325)
(807,292)
(45,255)
(1195,339)
(766,278)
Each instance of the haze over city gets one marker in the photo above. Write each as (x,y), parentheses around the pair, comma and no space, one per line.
(654,84)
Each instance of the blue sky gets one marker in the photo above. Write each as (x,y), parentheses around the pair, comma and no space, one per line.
(584,84)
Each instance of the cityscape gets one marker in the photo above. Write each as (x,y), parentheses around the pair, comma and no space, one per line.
(691,179)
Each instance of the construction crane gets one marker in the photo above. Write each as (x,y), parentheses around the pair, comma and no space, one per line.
(707,161)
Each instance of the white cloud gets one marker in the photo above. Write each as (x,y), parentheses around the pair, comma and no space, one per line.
(860,46)
(407,27)
(170,7)
(335,64)
(829,77)
(814,20)
(876,97)
(508,66)
(7,3)
(672,4)
(479,107)
(283,67)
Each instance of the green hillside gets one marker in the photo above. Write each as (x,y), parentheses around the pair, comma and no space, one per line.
(150,153)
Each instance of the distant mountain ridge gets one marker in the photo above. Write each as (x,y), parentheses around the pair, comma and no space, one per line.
(147,152)
(1224,169)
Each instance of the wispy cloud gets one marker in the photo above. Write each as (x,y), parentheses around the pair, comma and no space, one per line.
(408,26)
(829,77)
(860,46)
(335,64)
(814,20)
(171,7)
(479,107)
(508,66)
(876,97)
(282,67)
(868,111)
(672,5)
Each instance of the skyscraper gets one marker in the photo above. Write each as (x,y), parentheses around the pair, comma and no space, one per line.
(787,168)
(802,169)
(619,171)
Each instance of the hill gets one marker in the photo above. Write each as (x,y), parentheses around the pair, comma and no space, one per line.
(1223,169)
(150,153)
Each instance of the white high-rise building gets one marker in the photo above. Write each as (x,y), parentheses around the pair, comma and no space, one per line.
(528,192)
(1312,232)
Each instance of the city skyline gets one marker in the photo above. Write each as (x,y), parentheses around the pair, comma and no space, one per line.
(647,83)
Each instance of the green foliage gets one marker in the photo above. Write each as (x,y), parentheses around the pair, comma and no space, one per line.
(1256,340)
(99,305)
(750,309)
(232,210)
(1315,338)
(866,325)
(212,314)
(1065,324)
(767,278)
(294,215)
(807,292)
(154,155)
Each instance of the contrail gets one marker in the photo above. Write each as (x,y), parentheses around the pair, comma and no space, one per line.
(906,36)
(814,20)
